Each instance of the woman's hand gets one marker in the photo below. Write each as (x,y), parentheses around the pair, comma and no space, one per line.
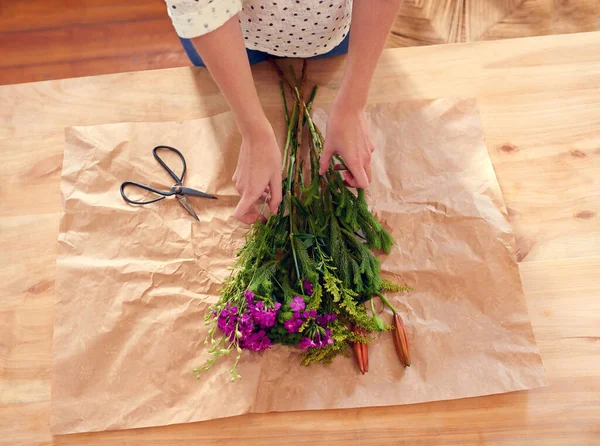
(258,170)
(348,133)
(349,136)
(258,173)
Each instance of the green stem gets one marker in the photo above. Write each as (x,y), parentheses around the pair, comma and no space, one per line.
(285,106)
(288,138)
(313,131)
(385,301)
(311,98)
(293,74)
(289,197)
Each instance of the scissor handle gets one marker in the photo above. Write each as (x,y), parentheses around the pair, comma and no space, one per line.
(178,180)
(163,194)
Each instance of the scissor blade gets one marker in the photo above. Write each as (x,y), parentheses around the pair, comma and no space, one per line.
(196,193)
(186,204)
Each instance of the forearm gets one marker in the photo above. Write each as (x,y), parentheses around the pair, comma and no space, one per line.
(223,51)
(371,24)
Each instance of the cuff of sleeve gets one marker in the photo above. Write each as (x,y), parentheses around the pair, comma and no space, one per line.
(204,19)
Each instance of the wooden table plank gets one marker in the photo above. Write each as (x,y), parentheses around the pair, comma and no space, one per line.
(538,100)
(189,93)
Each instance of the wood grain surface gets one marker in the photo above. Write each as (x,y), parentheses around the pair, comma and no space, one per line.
(539,100)
(56,39)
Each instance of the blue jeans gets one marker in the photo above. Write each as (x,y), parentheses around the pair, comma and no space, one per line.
(255,56)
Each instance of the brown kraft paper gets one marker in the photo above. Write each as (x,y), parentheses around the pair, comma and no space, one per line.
(134,283)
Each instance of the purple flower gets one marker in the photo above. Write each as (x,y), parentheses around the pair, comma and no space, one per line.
(297,304)
(256,341)
(227,321)
(306,343)
(262,316)
(308,287)
(269,319)
(291,325)
(246,327)
(326,319)
(321,339)
(312,313)
(249,296)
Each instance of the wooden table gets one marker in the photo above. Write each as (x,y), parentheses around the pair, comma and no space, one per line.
(540,105)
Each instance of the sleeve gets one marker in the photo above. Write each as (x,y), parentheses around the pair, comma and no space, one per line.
(193,18)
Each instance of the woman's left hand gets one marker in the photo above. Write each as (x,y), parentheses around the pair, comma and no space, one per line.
(348,135)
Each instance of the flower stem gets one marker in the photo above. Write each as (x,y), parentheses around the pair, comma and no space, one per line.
(285,106)
(288,138)
(385,301)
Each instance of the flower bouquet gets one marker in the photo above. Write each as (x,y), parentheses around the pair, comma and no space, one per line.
(306,278)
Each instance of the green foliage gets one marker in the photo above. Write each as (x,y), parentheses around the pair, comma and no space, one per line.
(279,335)
(388,285)
(341,336)
(332,285)
(325,234)
(262,281)
(316,298)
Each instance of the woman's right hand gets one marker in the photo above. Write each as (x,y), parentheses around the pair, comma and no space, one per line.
(258,173)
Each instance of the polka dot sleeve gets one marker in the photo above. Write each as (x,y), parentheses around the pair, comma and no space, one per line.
(193,18)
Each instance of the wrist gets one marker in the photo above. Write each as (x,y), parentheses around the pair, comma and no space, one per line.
(254,125)
(350,99)
(257,131)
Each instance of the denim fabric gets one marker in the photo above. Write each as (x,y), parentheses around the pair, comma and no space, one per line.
(255,56)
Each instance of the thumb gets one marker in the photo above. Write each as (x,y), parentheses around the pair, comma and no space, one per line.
(325,158)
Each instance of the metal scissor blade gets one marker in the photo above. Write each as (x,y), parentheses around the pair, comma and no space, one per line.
(196,193)
(186,204)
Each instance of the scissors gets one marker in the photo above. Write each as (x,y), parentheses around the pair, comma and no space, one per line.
(180,192)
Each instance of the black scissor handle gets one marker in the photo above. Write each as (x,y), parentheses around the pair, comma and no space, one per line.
(163,194)
(177,179)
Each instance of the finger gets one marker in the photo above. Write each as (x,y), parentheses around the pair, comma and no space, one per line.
(246,210)
(325,158)
(265,193)
(249,217)
(368,171)
(361,180)
(276,192)
(349,180)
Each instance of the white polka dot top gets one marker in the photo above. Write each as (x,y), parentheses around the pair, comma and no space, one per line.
(291,28)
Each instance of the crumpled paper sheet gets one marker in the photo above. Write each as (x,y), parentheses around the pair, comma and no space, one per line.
(134,283)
